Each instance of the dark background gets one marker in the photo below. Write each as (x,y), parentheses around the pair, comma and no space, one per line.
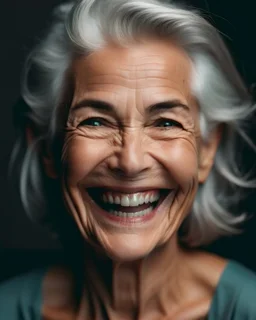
(24,245)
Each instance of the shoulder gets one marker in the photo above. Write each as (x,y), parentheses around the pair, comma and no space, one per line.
(20,297)
(58,291)
(235,294)
(242,282)
(37,294)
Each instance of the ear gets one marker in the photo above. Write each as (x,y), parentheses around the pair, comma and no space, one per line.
(207,154)
(44,153)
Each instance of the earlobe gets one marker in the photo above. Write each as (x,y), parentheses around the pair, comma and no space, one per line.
(207,154)
(49,167)
(204,169)
(46,156)
(29,135)
(48,161)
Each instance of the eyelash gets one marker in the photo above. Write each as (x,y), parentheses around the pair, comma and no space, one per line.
(103,122)
(85,122)
(173,122)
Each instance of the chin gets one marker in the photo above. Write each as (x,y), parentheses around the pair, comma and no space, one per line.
(129,248)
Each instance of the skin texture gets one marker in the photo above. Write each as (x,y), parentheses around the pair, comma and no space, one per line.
(134,270)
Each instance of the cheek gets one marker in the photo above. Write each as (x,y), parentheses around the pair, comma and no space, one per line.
(180,157)
(80,156)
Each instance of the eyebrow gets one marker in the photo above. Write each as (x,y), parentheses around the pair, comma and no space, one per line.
(94,104)
(165,106)
(108,107)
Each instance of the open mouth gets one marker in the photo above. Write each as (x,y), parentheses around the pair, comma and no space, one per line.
(127,205)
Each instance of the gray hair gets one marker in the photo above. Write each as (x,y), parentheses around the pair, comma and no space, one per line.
(84,26)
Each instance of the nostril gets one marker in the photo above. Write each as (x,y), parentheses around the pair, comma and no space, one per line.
(119,172)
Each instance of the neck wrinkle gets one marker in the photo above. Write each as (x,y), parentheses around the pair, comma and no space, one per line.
(131,290)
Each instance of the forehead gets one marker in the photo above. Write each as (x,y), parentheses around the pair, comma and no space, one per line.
(145,65)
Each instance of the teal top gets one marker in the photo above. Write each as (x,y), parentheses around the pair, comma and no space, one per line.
(234,298)
(235,295)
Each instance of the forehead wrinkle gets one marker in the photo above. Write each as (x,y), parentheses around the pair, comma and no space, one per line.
(147,78)
(144,65)
(150,59)
(136,82)
(134,72)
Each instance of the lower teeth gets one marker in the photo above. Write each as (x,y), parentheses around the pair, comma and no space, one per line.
(131,214)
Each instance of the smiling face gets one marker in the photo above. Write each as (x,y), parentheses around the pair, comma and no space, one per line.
(131,160)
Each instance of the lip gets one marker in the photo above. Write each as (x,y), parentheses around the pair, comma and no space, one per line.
(128,190)
(133,221)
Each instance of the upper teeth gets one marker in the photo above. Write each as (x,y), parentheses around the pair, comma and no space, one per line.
(131,199)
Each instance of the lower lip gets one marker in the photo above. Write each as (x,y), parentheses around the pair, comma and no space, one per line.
(133,220)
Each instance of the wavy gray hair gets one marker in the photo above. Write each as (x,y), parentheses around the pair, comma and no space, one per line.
(83,26)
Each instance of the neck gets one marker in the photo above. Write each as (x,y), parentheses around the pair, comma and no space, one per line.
(131,290)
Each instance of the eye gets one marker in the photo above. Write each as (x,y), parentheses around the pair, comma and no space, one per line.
(167,123)
(92,122)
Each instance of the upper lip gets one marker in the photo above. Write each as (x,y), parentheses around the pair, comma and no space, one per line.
(122,189)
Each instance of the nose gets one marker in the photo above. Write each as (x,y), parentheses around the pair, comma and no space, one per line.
(132,157)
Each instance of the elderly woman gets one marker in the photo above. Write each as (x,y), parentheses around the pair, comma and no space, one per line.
(135,112)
